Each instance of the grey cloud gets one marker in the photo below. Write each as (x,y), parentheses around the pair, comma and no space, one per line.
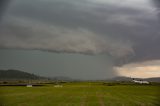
(28,34)
(157,9)
(3,5)
(126,29)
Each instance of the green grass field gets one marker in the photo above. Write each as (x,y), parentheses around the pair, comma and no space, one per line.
(81,94)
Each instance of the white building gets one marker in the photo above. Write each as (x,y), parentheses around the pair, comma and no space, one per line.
(29,85)
(140,81)
(58,86)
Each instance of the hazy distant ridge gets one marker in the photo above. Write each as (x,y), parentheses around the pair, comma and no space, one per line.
(17,74)
(121,78)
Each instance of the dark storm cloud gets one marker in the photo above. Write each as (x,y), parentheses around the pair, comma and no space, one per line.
(3,5)
(127,30)
(157,9)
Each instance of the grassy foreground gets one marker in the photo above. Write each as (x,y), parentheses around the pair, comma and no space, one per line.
(81,94)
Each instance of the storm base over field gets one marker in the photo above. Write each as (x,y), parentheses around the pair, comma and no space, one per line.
(84,39)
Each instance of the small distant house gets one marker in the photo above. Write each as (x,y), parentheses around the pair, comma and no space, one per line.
(29,85)
(58,86)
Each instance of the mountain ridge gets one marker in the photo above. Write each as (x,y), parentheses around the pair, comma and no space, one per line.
(123,78)
(17,74)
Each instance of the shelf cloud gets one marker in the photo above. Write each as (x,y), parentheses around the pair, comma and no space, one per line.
(126,30)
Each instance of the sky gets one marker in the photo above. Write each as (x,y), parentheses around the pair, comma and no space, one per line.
(83,39)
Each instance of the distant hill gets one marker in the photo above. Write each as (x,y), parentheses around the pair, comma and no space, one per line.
(16,74)
(121,78)
(156,79)
(61,78)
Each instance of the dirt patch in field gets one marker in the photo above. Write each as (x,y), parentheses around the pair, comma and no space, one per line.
(100,98)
